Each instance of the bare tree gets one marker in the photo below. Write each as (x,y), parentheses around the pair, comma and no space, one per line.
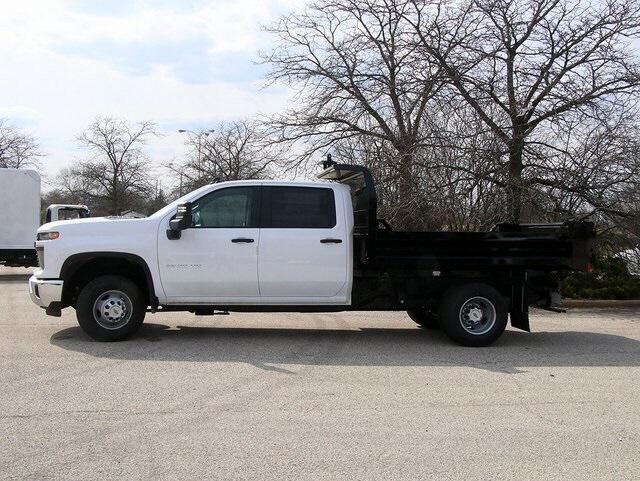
(358,73)
(529,66)
(115,176)
(453,187)
(232,151)
(594,171)
(18,150)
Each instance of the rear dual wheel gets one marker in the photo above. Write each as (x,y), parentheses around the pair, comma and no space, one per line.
(472,314)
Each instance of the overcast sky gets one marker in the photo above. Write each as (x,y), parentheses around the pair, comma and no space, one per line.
(182,63)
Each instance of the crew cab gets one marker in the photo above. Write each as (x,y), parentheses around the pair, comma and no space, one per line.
(300,246)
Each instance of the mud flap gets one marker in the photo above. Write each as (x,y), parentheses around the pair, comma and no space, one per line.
(519,312)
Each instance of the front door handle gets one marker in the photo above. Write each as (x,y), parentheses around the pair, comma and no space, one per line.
(244,240)
(331,241)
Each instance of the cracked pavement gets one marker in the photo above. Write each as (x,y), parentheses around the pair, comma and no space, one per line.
(361,395)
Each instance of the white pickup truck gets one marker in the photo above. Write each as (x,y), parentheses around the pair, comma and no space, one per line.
(299,246)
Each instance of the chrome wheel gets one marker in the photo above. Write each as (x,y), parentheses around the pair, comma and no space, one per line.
(112,309)
(477,315)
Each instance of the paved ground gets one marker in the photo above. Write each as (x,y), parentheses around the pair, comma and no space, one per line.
(307,397)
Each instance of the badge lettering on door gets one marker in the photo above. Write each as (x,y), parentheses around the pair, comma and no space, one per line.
(184,266)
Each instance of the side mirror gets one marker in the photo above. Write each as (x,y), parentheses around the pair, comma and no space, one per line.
(180,222)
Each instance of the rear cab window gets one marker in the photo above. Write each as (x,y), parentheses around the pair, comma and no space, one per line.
(299,207)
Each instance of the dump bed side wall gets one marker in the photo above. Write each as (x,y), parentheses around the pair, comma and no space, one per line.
(479,250)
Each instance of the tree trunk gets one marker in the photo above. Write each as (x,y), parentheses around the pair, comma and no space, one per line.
(515,185)
(405,190)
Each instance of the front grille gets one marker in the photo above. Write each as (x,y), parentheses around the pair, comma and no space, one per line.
(40,252)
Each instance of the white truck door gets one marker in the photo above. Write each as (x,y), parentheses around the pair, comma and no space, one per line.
(216,260)
(304,241)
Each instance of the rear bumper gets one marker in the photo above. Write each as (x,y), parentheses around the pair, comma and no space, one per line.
(45,292)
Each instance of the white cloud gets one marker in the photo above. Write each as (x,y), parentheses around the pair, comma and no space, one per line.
(59,68)
(231,25)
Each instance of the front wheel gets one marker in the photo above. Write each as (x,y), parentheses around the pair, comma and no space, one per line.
(110,308)
(473,314)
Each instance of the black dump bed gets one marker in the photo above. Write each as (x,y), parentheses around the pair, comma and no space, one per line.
(564,246)
(546,247)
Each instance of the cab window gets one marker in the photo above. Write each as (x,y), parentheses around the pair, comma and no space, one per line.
(230,207)
(301,208)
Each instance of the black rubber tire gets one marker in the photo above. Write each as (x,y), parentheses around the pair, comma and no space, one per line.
(88,296)
(425,318)
(452,302)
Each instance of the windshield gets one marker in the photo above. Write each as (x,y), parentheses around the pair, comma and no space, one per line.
(69,214)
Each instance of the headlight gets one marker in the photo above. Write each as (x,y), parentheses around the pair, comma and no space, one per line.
(48,235)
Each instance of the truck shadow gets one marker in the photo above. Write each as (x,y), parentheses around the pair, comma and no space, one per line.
(275,349)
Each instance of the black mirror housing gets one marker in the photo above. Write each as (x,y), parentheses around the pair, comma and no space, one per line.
(177,224)
(180,222)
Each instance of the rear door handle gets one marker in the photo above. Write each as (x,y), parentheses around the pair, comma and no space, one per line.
(331,241)
(244,240)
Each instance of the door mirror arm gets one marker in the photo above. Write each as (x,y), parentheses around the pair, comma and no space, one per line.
(180,222)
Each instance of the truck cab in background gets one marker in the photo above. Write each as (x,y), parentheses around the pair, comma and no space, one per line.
(56,212)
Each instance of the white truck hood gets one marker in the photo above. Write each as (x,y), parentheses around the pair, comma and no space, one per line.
(89,223)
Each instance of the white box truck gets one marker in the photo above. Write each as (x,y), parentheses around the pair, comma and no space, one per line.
(20,216)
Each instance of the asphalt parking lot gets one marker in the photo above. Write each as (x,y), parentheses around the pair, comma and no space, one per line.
(316,396)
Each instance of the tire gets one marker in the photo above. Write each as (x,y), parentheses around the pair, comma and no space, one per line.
(473,315)
(425,318)
(110,308)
